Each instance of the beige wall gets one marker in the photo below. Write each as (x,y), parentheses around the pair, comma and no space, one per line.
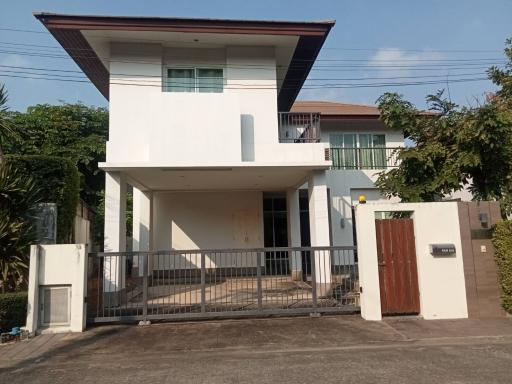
(207,220)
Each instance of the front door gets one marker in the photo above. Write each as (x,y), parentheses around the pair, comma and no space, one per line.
(275,226)
(398,274)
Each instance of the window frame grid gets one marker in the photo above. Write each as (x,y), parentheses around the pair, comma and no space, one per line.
(196,89)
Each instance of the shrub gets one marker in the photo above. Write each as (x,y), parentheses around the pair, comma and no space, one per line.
(59,182)
(13,309)
(502,240)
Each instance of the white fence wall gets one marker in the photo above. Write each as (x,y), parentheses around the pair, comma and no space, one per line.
(441,279)
(58,265)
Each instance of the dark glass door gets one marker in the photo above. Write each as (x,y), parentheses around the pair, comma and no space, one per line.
(275,227)
(305,239)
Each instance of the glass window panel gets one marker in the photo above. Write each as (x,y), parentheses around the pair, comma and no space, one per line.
(379,151)
(180,80)
(349,140)
(267,204)
(350,151)
(280,204)
(336,143)
(379,141)
(365,152)
(210,80)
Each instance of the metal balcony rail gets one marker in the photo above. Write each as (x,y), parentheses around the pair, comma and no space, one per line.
(296,127)
(132,286)
(364,158)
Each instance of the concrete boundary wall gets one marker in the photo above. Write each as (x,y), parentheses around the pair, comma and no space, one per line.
(57,266)
(441,279)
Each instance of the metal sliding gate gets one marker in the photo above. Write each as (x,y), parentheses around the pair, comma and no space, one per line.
(131,286)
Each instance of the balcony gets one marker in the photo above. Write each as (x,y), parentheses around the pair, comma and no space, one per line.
(364,158)
(296,127)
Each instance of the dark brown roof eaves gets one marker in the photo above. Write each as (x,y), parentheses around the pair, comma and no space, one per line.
(181,24)
(67,31)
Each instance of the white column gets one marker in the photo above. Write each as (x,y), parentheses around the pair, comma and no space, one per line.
(32,322)
(115,236)
(319,230)
(292,201)
(368,262)
(142,207)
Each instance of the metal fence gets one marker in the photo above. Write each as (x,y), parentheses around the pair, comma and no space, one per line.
(364,158)
(132,286)
(296,127)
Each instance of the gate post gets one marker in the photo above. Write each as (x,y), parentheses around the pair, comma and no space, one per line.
(145,261)
(313,278)
(258,280)
(203,283)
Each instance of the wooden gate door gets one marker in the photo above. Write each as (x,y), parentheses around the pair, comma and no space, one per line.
(398,274)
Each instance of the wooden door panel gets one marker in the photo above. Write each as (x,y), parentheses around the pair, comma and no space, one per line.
(398,277)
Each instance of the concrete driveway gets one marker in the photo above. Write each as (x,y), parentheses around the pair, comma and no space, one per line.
(331,349)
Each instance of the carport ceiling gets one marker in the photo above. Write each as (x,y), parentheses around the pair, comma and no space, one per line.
(257,178)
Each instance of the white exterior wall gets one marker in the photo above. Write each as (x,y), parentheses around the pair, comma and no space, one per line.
(207,220)
(441,279)
(82,232)
(148,125)
(58,265)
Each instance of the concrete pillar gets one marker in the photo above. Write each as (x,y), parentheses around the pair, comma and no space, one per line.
(319,230)
(32,322)
(368,263)
(142,215)
(295,257)
(115,237)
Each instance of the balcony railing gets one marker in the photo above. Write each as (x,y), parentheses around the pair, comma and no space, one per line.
(299,127)
(364,158)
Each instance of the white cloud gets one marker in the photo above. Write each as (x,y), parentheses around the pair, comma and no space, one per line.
(324,94)
(394,62)
(15,60)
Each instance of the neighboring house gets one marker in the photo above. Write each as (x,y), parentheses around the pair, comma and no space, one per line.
(205,126)
(360,147)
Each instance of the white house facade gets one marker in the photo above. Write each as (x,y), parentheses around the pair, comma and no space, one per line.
(247,201)
(201,127)
(239,190)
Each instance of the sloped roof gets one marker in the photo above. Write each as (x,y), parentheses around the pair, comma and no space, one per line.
(67,30)
(334,109)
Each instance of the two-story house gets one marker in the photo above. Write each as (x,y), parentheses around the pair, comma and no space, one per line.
(205,126)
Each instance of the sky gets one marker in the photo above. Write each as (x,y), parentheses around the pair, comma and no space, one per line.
(374,42)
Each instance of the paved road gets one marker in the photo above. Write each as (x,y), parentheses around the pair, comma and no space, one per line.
(298,350)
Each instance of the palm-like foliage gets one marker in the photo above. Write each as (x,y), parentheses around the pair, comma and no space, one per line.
(18,196)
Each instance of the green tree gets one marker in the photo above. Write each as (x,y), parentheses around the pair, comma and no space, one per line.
(453,147)
(6,131)
(73,131)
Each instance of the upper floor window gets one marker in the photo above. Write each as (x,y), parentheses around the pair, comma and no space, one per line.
(359,151)
(205,80)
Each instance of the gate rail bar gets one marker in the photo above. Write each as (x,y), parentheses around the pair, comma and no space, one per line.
(216,283)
